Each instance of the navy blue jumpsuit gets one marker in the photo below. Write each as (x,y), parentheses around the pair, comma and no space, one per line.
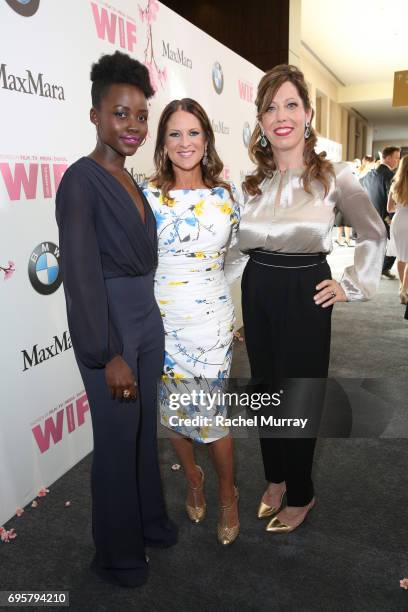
(108,257)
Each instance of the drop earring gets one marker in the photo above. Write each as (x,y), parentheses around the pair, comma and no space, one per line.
(308,131)
(205,157)
(263,141)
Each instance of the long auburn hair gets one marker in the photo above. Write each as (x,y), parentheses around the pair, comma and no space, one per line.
(163,177)
(317,167)
(400,183)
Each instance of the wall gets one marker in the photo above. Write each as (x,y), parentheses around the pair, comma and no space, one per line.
(258,32)
(45,99)
(338,123)
(378,145)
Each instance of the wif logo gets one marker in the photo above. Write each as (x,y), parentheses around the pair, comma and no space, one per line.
(21,180)
(110,26)
(72,413)
(246,91)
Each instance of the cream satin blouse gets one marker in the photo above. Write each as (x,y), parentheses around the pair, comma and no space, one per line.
(287,219)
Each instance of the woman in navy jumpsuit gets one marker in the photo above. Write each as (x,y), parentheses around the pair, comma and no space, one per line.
(108,255)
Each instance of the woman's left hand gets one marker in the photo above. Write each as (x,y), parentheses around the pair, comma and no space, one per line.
(329,292)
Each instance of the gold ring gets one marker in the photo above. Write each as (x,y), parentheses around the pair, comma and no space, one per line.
(126,393)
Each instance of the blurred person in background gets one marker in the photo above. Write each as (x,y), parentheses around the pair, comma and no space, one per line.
(398,245)
(377,183)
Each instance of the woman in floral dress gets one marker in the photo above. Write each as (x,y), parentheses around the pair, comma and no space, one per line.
(197,216)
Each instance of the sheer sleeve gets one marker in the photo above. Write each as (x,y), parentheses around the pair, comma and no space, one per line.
(360,281)
(93,337)
(235,260)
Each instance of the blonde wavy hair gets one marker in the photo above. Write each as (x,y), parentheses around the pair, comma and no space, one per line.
(317,167)
(163,177)
(399,188)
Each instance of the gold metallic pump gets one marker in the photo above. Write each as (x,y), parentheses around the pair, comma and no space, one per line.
(227,535)
(276,526)
(264,510)
(196,513)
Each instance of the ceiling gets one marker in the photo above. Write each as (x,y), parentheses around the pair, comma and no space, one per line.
(361,41)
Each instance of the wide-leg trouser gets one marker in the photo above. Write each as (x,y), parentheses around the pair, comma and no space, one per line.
(128,508)
(287,336)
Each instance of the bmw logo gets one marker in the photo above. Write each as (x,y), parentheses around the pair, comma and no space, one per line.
(217,78)
(26,8)
(43,268)
(246,133)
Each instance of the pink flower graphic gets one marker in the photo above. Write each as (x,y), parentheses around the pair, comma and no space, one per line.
(8,270)
(157,75)
(149,13)
(404,583)
(7,535)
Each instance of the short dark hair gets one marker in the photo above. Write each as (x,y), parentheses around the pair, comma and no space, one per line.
(387,151)
(118,68)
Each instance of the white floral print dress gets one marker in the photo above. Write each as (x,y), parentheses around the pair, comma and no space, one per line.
(195,228)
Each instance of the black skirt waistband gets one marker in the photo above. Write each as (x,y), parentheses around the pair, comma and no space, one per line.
(287,260)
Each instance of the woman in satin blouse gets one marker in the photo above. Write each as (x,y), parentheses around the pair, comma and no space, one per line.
(287,290)
(108,247)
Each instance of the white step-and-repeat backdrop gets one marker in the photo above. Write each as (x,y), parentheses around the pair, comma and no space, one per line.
(46,51)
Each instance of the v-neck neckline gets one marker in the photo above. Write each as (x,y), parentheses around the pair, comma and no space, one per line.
(144,223)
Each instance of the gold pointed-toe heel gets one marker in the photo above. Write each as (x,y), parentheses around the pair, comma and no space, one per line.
(277,526)
(265,511)
(196,513)
(227,535)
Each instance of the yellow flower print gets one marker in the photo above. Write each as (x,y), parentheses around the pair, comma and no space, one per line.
(199,254)
(164,301)
(178,376)
(167,201)
(198,208)
(177,283)
(205,430)
(225,208)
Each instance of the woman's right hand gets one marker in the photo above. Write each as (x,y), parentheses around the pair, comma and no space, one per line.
(120,379)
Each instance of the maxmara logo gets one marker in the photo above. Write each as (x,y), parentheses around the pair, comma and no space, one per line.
(33,84)
(176,55)
(219,127)
(36,355)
